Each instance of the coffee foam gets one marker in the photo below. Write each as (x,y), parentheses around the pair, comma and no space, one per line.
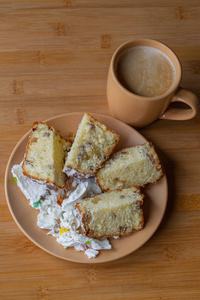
(146,71)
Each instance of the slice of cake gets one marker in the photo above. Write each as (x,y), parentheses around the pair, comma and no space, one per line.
(115,213)
(93,144)
(45,155)
(134,166)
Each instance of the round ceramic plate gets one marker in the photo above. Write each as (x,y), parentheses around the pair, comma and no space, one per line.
(26,217)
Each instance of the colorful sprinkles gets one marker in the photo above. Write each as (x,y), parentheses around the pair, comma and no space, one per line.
(36,204)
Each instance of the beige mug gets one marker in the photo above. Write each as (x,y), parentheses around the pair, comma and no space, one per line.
(140,111)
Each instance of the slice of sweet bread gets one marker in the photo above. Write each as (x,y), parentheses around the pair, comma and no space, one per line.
(93,144)
(45,155)
(114,213)
(134,166)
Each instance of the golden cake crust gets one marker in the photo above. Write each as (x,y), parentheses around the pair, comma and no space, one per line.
(85,214)
(35,124)
(81,173)
(123,180)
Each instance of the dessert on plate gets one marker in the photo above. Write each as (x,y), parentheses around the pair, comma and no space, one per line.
(93,144)
(45,155)
(114,213)
(84,193)
(134,166)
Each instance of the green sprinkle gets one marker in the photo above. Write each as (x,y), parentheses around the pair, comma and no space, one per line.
(35,204)
(88,243)
(65,247)
(15,179)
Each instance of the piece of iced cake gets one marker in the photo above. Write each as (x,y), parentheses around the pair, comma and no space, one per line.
(114,213)
(134,166)
(45,155)
(93,144)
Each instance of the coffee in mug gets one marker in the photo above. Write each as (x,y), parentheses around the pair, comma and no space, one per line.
(145,71)
(143,79)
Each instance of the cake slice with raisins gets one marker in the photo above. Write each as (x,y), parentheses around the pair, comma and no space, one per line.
(134,166)
(93,144)
(114,213)
(45,155)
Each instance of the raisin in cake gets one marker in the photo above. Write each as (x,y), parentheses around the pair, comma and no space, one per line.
(134,166)
(93,144)
(45,155)
(114,213)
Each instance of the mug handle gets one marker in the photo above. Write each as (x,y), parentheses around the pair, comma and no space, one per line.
(186,97)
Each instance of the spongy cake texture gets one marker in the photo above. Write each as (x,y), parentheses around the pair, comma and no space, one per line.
(134,166)
(93,144)
(45,155)
(114,213)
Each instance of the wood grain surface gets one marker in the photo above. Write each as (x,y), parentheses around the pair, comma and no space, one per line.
(54,59)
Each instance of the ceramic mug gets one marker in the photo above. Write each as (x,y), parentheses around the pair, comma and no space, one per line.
(140,111)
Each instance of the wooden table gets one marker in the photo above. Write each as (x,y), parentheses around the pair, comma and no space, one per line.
(54,58)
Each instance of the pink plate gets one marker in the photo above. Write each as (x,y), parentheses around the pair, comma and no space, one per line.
(26,217)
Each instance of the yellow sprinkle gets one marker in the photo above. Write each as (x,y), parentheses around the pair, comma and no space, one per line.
(63,229)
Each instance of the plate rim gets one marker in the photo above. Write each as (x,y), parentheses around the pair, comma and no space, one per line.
(96,115)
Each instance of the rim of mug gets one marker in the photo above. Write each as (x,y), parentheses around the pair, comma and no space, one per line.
(141,42)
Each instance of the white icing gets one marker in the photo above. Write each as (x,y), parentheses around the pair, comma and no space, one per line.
(76,195)
(62,221)
(48,215)
(91,253)
(73,238)
(73,173)
(32,190)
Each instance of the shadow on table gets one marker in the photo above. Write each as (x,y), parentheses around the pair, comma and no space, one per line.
(169,169)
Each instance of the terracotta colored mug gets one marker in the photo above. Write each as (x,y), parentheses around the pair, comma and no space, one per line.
(140,111)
